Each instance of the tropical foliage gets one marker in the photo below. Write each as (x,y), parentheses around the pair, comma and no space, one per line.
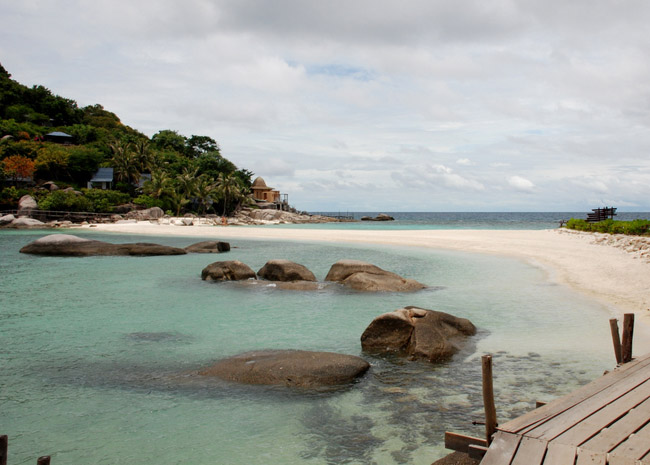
(169,170)
(635,227)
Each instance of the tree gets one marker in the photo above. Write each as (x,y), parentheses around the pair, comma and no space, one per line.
(18,167)
(229,190)
(170,140)
(159,186)
(206,192)
(52,161)
(124,161)
(199,145)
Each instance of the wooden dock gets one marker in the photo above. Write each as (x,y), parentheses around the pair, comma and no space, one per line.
(606,422)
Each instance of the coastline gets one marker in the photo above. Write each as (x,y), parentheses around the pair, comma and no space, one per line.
(585,262)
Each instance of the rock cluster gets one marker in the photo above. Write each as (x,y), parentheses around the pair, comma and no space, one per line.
(418,333)
(355,274)
(380,217)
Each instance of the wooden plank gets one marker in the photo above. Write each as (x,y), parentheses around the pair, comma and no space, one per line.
(637,445)
(628,334)
(502,449)
(560,405)
(616,339)
(477,452)
(592,425)
(611,437)
(587,457)
(621,461)
(461,442)
(4,444)
(530,451)
(560,454)
(560,423)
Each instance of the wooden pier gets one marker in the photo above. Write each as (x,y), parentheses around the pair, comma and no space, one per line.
(606,422)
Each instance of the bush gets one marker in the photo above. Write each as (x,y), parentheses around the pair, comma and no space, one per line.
(635,227)
(148,201)
(103,200)
(66,201)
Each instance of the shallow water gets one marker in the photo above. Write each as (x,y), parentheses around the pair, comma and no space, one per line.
(98,355)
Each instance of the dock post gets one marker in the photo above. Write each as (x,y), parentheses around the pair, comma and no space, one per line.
(4,442)
(45,460)
(488,398)
(628,334)
(616,339)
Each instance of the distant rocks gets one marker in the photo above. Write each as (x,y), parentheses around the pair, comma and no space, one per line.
(75,246)
(380,217)
(294,368)
(26,205)
(232,270)
(364,276)
(417,333)
(249,216)
(153,213)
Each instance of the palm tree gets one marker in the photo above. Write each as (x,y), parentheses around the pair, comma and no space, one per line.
(206,192)
(229,189)
(160,185)
(124,162)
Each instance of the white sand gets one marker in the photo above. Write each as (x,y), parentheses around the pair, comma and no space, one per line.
(609,274)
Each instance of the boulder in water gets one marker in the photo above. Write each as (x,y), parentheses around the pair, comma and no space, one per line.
(295,368)
(74,246)
(364,276)
(285,270)
(231,270)
(418,333)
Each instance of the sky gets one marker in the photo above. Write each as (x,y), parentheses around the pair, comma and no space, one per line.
(370,105)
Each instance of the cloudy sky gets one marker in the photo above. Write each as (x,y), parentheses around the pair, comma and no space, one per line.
(371,105)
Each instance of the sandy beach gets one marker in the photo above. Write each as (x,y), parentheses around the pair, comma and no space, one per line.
(611,274)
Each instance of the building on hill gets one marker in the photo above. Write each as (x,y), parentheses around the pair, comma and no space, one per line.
(268,197)
(103,179)
(59,137)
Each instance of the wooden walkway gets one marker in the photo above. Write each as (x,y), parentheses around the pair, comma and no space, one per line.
(606,422)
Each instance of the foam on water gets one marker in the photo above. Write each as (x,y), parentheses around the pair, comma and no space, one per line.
(98,355)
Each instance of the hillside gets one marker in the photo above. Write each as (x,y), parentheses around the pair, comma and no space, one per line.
(169,170)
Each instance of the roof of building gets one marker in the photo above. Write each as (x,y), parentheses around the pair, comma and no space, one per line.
(58,134)
(259,182)
(103,175)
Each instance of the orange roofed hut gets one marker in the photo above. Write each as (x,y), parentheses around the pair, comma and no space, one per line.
(264,193)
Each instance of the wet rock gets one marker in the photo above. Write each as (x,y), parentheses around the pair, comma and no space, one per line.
(417,333)
(208,247)
(26,223)
(231,270)
(74,246)
(364,276)
(285,270)
(294,368)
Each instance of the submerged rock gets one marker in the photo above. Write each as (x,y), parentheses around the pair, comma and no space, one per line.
(231,270)
(74,246)
(208,247)
(364,276)
(296,368)
(418,333)
(285,270)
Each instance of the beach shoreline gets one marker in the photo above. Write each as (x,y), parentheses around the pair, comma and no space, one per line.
(617,277)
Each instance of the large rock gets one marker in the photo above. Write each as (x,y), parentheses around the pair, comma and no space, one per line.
(367,277)
(74,246)
(26,223)
(380,217)
(289,368)
(153,213)
(6,219)
(26,205)
(231,270)
(417,333)
(208,247)
(285,270)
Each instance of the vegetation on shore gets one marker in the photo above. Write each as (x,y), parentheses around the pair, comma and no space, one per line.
(187,174)
(632,228)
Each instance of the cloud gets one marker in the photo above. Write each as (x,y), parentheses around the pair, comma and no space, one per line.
(521,184)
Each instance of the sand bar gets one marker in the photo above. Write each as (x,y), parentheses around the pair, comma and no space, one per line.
(612,275)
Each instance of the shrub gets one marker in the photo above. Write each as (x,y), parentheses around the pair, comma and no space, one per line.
(148,201)
(103,200)
(635,227)
(66,201)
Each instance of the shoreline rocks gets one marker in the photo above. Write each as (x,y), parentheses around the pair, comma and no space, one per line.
(417,333)
(231,270)
(285,271)
(380,217)
(292,368)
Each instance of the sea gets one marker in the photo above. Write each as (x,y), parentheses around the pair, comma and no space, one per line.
(99,355)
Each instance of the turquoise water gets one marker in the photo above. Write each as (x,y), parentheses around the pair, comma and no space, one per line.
(98,355)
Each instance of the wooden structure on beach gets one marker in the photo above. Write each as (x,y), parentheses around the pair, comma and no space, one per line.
(601,214)
(606,422)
